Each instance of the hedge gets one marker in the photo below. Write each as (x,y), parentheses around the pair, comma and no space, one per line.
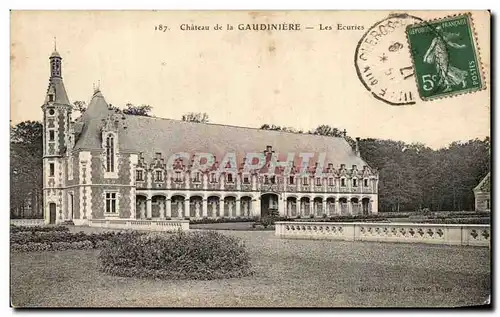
(203,255)
(26,241)
(15,229)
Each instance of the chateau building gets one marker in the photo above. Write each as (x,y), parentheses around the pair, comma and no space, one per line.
(108,165)
(482,194)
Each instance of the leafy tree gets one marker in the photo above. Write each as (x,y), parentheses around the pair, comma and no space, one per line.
(142,110)
(26,171)
(200,117)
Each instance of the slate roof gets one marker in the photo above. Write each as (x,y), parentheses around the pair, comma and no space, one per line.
(150,135)
(61,97)
(484,185)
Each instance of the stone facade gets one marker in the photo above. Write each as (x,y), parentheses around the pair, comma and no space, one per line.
(107,165)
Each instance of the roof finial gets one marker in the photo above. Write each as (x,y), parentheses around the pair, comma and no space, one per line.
(55,44)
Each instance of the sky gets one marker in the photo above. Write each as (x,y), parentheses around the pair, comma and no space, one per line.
(297,79)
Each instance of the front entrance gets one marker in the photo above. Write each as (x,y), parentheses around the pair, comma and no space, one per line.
(269,205)
(52,213)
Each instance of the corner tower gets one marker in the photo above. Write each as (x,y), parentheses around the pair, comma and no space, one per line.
(56,138)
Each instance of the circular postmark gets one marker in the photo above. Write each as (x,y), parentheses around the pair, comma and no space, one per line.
(383,62)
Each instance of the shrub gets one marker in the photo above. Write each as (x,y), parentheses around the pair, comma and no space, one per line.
(15,229)
(40,241)
(202,255)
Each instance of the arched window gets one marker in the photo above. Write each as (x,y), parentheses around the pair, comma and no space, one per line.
(110,153)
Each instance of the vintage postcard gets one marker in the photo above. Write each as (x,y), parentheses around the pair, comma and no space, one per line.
(250,159)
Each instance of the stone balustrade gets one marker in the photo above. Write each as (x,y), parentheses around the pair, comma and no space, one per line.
(150,225)
(448,234)
(27,222)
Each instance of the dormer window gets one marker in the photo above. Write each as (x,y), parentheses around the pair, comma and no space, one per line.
(178,176)
(330,181)
(159,176)
(213,179)
(305,181)
(246,180)
(354,182)
(318,181)
(51,99)
(229,178)
(342,182)
(291,180)
(196,178)
(366,182)
(266,179)
(139,175)
(273,179)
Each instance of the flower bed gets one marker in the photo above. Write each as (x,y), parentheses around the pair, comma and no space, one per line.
(203,255)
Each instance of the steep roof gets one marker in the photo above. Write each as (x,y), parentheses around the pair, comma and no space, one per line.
(484,185)
(61,97)
(151,135)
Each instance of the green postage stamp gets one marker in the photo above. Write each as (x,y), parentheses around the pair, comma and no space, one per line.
(445,57)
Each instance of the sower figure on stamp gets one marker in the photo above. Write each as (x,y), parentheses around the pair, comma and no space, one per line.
(437,54)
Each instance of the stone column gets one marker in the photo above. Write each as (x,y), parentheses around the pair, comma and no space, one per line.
(142,209)
(162,209)
(221,207)
(168,206)
(374,204)
(325,211)
(197,209)
(186,207)
(204,209)
(179,208)
(281,207)
(337,207)
(311,207)
(149,209)
(256,207)
(349,206)
(238,208)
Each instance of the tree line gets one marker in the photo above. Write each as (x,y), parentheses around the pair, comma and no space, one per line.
(411,176)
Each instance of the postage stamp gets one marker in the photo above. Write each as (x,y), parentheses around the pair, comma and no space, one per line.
(445,57)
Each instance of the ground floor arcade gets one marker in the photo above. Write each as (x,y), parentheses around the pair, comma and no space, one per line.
(163,205)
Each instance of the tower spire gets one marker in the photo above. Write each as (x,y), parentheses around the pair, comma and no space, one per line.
(55,44)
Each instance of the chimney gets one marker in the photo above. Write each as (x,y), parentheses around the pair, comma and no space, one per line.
(357,147)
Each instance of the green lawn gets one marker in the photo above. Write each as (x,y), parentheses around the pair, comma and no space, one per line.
(290,273)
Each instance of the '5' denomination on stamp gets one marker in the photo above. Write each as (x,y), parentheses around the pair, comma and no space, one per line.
(445,57)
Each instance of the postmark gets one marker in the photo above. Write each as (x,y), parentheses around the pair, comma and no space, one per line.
(383,63)
(445,57)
